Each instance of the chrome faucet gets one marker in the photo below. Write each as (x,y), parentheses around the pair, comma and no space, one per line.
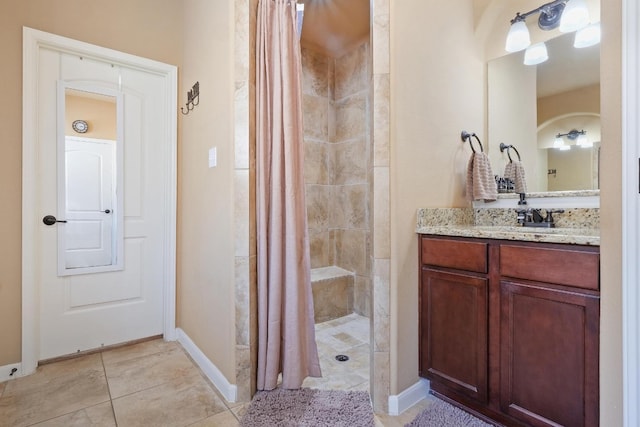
(533,217)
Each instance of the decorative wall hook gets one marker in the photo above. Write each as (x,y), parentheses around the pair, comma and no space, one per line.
(193,98)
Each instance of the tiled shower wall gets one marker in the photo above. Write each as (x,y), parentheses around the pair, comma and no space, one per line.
(337,162)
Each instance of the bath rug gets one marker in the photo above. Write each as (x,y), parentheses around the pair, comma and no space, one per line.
(309,407)
(441,414)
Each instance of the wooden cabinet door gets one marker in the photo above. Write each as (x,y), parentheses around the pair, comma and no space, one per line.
(548,355)
(453,331)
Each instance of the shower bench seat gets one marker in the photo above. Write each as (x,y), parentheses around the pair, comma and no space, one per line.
(332,289)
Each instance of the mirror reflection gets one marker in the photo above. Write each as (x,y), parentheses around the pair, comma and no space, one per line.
(88,199)
(551,113)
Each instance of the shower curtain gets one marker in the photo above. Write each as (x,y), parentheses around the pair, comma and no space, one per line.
(286,334)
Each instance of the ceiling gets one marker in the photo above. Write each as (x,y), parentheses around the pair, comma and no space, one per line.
(567,68)
(334,27)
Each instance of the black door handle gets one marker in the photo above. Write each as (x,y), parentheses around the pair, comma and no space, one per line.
(50,220)
(107,211)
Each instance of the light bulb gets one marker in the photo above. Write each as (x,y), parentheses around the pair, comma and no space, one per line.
(588,36)
(584,142)
(536,54)
(558,142)
(518,37)
(574,17)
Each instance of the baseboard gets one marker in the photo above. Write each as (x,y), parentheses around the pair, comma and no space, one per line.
(228,390)
(7,372)
(401,402)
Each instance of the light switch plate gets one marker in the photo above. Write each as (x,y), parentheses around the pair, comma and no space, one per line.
(213,157)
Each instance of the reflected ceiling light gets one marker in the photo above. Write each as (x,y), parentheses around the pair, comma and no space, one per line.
(583,141)
(518,37)
(588,36)
(536,54)
(575,16)
(579,136)
(558,142)
(565,148)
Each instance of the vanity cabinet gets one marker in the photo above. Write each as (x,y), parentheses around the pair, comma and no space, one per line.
(510,329)
(454,310)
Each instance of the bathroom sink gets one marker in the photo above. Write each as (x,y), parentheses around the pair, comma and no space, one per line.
(537,230)
(519,229)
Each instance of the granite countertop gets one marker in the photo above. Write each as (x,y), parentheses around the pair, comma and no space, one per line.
(574,226)
(575,236)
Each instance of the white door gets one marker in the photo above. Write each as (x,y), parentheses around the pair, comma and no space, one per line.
(90,187)
(86,311)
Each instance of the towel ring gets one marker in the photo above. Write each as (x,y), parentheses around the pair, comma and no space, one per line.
(504,146)
(467,136)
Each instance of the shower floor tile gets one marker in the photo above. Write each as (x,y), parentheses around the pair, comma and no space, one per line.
(349,336)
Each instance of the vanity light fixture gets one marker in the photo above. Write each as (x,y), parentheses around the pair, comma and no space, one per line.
(569,15)
(579,136)
(588,36)
(560,145)
(574,17)
(518,37)
(583,141)
(536,54)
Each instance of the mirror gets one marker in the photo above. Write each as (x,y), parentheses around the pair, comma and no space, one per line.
(90,177)
(529,105)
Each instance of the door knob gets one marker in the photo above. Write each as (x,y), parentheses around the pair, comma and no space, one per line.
(107,211)
(50,220)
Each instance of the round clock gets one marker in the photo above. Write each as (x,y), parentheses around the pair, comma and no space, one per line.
(80,126)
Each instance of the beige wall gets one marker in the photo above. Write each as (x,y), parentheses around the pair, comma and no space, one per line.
(436,92)
(610,216)
(205,236)
(583,100)
(560,113)
(573,169)
(149,28)
(99,115)
(511,109)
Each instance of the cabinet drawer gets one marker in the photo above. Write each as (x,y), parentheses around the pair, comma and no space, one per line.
(559,266)
(461,255)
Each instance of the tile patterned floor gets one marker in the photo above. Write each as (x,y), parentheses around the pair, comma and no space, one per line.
(155,383)
(348,335)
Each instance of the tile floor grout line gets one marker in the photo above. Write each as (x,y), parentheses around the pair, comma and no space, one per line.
(113,410)
(210,384)
(142,356)
(208,381)
(60,415)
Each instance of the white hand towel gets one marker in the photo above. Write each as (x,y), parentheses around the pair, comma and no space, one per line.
(481,184)
(515,172)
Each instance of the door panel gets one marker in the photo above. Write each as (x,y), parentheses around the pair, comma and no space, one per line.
(549,355)
(454,345)
(86,311)
(124,285)
(90,190)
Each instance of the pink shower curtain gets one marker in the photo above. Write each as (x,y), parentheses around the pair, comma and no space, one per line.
(286,335)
